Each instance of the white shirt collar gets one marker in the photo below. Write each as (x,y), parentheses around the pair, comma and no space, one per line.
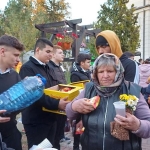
(84,70)
(39,61)
(8,70)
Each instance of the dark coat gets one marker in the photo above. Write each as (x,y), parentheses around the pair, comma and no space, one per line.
(3,145)
(77,74)
(129,66)
(34,113)
(58,73)
(7,80)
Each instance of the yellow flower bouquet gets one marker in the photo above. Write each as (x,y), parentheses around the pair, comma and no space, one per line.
(130,100)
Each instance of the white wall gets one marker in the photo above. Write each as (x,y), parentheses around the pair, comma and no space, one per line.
(147,2)
(140,3)
(147,34)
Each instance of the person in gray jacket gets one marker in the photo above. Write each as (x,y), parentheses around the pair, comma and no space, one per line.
(108,83)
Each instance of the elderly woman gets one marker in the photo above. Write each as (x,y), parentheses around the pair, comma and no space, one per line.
(108,82)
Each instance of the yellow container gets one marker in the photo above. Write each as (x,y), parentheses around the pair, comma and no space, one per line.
(54,111)
(55,92)
(80,83)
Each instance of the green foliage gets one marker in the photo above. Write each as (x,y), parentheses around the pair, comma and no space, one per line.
(57,10)
(114,15)
(67,76)
(91,46)
(20,16)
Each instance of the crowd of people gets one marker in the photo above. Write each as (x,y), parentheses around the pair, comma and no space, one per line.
(113,73)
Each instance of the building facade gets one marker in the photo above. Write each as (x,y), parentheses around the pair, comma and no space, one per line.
(143,11)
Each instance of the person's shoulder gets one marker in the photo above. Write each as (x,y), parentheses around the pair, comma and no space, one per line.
(27,64)
(89,83)
(131,83)
(75,74)
(12,71)
(129,63)
(89,86)
(74,77)
(14,75)
(51,64)
(125,60)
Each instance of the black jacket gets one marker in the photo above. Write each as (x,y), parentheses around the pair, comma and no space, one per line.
(131,73)
(77,74)
(34,113)
(97,134)
(58,73)
(3,145)
(7,80)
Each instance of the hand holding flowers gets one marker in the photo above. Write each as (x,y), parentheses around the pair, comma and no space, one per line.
(129,122)
(121,125)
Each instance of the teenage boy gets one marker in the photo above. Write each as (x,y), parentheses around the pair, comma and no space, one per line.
(40,124)
(80,71)
(55,65)
(10,50)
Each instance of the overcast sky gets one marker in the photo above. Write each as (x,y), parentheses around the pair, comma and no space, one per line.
(85,9)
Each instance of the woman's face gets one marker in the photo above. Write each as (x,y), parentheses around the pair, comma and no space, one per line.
(106,75)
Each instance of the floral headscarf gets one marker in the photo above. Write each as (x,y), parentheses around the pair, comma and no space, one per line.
(108,90)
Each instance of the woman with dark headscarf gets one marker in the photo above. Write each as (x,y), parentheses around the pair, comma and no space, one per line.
(109,84)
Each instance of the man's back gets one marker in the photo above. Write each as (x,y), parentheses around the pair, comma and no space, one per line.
(131,72)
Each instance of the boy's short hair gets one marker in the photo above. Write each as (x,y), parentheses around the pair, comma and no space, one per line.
(82,57)
(41,43)
(56,47)
(11,41)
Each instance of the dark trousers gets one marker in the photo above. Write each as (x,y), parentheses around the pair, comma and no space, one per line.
(61,120)
(76,137)
(76,141)
(36,133)
(13,140)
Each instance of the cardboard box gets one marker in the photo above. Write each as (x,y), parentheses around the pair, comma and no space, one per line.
(80,83)
(55,92)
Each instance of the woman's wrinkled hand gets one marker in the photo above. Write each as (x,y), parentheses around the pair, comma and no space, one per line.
(82,106)
(129,122)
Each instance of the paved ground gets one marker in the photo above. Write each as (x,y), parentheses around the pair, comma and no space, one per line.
(67,145)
